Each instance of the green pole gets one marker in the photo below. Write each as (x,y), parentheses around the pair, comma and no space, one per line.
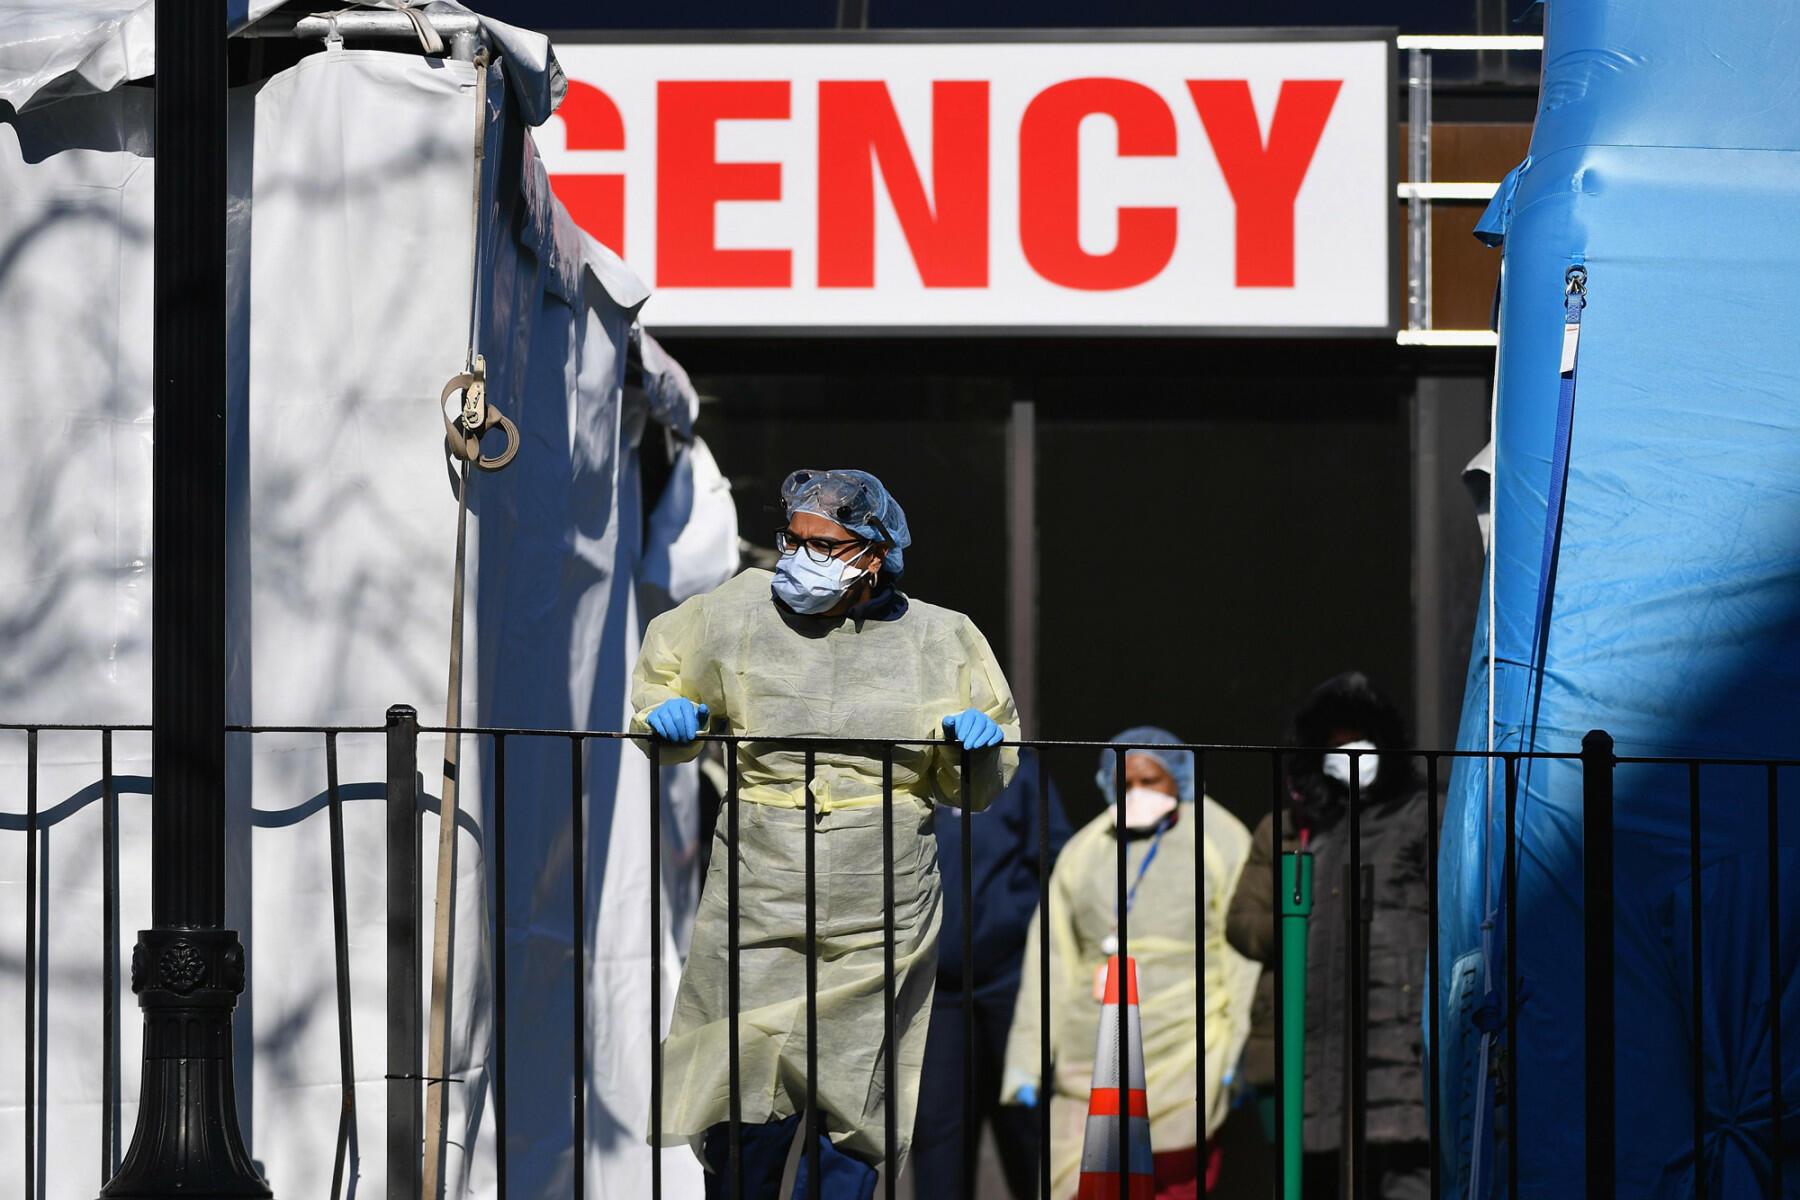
(1296,907)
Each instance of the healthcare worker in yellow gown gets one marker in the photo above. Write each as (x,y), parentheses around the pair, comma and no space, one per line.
(1164,842)
(825,646)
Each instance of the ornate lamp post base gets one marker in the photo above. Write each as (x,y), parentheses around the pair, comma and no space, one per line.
(187,1141)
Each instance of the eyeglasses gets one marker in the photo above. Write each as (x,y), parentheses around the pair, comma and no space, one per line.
(820,550)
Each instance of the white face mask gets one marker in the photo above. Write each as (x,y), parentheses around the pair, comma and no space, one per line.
(814,587)
(1145,808)
(1337,765)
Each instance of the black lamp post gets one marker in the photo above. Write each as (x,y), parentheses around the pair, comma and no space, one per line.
(187,969)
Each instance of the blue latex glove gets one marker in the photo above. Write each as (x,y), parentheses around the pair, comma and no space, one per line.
(973,730)
(677,720)
(1028,1096)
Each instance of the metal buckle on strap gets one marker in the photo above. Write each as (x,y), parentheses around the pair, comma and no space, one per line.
(1575,285)
(463,432)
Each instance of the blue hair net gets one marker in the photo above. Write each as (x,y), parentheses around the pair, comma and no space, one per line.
(857,501)
(1142,739)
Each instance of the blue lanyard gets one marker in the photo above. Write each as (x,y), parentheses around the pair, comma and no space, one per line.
(1155,842)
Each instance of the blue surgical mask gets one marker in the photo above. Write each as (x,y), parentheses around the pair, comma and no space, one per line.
(813,587)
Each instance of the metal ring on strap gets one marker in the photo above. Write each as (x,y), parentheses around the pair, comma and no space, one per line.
(463,432)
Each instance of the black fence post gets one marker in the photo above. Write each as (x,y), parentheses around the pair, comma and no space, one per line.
(656,1025)
(406,1096)
(578,1125)
(1277,792)
(971,1126)
(1351,1163)
(1510,882)
(1122,958)
(340,942)
(1597,901)
(1776,981)
(31,963)
(109,962)
(812,1126)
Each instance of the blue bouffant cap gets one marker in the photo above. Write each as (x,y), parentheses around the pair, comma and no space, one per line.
(1143,739)
(857,501)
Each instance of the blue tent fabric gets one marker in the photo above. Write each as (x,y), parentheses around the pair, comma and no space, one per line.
(1497,218)
(1666,160)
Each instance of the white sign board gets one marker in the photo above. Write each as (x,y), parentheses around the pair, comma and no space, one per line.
(1110,186)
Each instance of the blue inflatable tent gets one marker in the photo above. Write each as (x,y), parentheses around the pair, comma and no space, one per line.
(1644,578)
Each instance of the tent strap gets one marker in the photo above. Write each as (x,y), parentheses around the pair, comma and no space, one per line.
(462,440)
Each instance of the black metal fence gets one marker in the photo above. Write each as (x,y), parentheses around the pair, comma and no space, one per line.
(406,923)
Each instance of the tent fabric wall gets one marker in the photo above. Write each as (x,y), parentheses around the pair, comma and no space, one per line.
(350,525)
(1666,160)
(351,288)
(75,203)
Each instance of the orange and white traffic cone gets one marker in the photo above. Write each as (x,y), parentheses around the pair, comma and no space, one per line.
(1100,1147)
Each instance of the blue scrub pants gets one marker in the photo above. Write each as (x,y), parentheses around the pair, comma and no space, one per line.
(939,1131)
(765,1151)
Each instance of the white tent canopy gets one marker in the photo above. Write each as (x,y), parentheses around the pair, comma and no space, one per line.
(352,276)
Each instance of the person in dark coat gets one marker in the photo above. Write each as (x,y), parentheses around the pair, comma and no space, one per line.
(1005,894)
(1393,810)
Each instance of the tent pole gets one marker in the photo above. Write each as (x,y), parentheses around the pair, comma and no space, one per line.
(372,24)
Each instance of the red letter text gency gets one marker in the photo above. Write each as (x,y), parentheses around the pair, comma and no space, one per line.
(1050,184)
(691,181)
(1264,179)
(948,231)
(591,121)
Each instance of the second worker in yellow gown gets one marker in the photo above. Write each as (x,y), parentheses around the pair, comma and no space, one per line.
(1167,832)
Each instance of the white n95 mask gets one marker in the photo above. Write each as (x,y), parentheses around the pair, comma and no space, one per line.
(813,587)
(1145,808)
(1337,765)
